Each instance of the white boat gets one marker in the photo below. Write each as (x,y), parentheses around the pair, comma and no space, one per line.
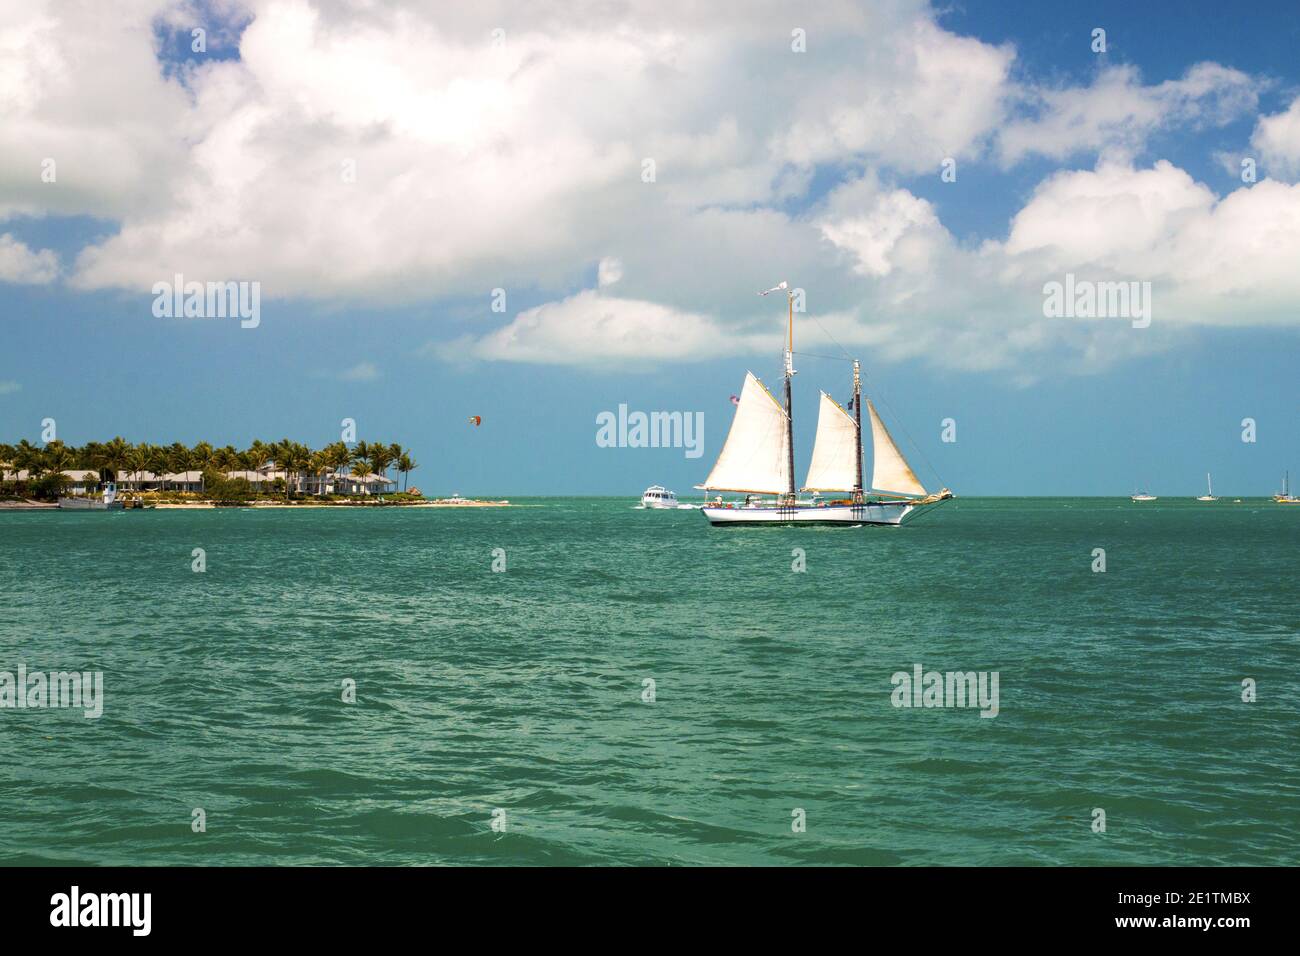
(1209,490)
(1285,497)
(105,502)
(1142,496)
(757,459)
(657,496)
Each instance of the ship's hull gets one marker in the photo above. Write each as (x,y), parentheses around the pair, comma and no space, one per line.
(89,504)
(882,513)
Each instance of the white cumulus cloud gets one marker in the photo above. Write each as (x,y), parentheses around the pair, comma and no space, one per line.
(389,154)
(1117,112)
(1277,138)
(20,264)
(591,327)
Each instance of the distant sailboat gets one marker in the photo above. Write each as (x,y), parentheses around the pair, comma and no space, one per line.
(758,459)
(1209,490)
(1141,496)
(1286,498)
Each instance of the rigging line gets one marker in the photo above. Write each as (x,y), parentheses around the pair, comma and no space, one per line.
(910,440)
(923,511)
(906,434)
(829,336)
(832,358)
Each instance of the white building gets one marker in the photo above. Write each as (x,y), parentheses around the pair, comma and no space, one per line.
(85,480)
(80,480)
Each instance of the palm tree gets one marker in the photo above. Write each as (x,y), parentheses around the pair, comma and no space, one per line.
(406,464)
(282,456)
(57,457)
(361,451)
(292,457)
(321,466)
(226,458)
(247,461)
(203,456)
(179,458)
(260,452)
(301,459)
(113,456)
(158,463)
(361,471)
(137,460)
(339,455)
(25,455)
(380,458)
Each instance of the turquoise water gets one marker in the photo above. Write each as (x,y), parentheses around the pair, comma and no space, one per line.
(522,691)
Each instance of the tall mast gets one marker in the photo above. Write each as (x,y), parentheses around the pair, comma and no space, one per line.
(857,428)
(789,405)
(789,495)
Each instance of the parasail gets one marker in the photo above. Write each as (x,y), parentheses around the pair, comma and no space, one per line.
(476,420)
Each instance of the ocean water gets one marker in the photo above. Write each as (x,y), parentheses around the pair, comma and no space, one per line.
(518,695)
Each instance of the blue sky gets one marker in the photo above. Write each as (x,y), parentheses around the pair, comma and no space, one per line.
(376,300)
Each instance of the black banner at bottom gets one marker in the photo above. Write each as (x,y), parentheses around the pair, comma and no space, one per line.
(336,905)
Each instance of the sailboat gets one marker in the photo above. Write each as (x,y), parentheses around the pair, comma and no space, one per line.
(1286,498)
(758,459)
(1141,496)
(1209,490)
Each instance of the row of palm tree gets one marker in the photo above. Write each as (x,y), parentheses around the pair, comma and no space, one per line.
(118,456)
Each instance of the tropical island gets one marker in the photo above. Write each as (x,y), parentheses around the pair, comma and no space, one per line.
(269,474)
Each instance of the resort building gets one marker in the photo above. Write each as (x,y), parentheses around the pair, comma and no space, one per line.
(80,480)
(85,481)
(148,481)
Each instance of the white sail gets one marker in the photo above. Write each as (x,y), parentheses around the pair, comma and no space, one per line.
(833,466)
(890,471)
(756,455)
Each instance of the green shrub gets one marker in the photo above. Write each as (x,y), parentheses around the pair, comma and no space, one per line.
(227,491)
(48,487)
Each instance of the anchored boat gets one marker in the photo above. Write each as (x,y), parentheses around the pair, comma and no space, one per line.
(1209,490)
(105,502)
(1285,497)
(758,459)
